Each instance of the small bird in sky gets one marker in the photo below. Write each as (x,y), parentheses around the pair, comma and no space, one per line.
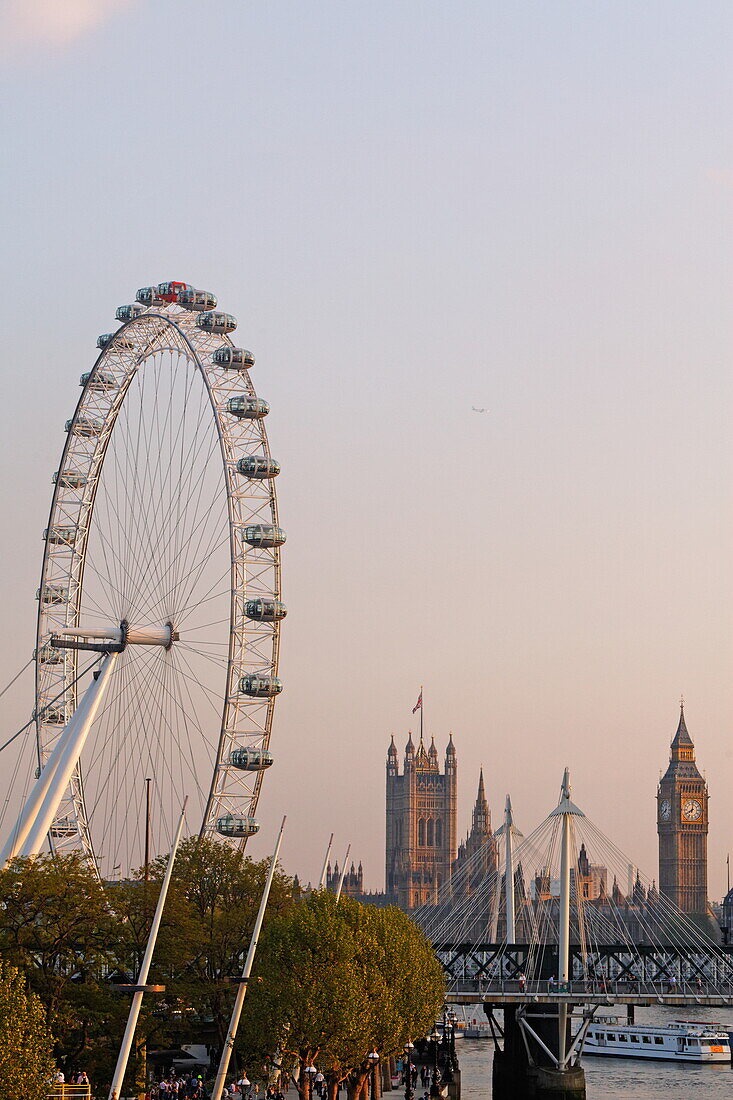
(473,407)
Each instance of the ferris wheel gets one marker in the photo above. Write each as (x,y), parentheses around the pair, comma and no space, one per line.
(163,548)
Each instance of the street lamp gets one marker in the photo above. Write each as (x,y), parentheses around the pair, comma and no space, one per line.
(434,1037)
(373,1059)
(449,1044)
(409,1047)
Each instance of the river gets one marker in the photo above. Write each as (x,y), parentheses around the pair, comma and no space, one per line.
(614,1078)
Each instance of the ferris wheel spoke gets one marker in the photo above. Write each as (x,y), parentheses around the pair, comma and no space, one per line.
(219,662)
(195,573)
(196,522)
(223,537)
(161,508)
(167,570)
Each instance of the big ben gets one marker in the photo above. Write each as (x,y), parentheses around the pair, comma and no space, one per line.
(682,825)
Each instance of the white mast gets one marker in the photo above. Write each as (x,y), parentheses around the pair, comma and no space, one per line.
(343,873)
(509,830)
(137,997)
(242,987)
(509,872)
(565,809)
(322,882)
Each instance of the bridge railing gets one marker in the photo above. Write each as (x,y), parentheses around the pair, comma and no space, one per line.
(601,986)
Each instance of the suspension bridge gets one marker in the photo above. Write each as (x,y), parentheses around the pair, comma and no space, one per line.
(542,939)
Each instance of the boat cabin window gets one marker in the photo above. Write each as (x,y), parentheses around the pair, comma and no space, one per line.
(646,1039)
(611,1037)
(623,1038)
(634,1038)
(658,1040)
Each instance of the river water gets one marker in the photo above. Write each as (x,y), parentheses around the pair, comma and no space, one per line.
(614,1078)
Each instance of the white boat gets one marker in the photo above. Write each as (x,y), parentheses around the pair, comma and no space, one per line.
(681,1041)
(477,1029)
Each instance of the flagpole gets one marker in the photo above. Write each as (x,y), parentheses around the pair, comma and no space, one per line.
(421,710)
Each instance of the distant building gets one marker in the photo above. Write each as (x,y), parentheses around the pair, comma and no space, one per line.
(591,878)
(477,854)
(421,823)
(353,884)
(682,825)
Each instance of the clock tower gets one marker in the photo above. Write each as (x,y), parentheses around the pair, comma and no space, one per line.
(682,825)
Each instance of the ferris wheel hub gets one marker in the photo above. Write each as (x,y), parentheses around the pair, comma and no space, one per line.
(114,638)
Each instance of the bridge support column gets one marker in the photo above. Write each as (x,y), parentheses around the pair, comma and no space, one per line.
(523,1070)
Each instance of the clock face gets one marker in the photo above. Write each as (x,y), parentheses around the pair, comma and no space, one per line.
(665,809)
(691,809)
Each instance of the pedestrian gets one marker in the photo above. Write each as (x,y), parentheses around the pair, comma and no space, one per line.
(522,979)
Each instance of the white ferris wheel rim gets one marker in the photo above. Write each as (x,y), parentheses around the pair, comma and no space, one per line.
(252,647)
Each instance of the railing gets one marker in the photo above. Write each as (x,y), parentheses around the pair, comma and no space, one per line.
(69,1092)
(593,986)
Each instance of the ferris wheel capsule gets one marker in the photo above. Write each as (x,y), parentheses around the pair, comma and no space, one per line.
(263,535)
(129,313)
(52,716)
(234,825)
(258,467)
(84,425)
(259,686)
(197,300)
(49,655)
(52,594)
(264,610)
(248,408)
(171,291)
(251,760)
(60,536)
(212,321)
(68,480)
(148,296)
(98,380)
(227,356)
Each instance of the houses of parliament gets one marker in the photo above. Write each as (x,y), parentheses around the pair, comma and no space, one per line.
(423,854)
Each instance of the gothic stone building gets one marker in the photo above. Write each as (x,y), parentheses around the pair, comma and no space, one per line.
(682,824)
(421,823)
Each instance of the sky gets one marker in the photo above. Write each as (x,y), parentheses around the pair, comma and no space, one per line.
(414,208)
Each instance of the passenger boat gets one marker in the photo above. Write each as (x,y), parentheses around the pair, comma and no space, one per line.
(680,1041)
(477,1029)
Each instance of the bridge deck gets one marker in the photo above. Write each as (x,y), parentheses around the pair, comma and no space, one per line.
(643,1000)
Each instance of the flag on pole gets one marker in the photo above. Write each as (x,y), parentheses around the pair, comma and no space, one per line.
(418,704)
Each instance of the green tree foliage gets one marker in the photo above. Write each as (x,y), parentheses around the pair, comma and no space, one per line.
(56,926)
(210,914)
(26,1062)
(74,939)
(335,980)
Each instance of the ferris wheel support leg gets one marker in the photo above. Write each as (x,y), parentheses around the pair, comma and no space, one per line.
(27,815)
(137,998)
(46,804)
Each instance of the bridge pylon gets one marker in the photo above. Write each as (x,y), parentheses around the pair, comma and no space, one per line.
(539,1060)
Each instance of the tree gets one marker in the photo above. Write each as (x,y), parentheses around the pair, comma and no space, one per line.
(57,927)
(335,980)
(26,1062)
(210,914)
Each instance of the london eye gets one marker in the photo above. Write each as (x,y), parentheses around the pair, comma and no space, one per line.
(162,544)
